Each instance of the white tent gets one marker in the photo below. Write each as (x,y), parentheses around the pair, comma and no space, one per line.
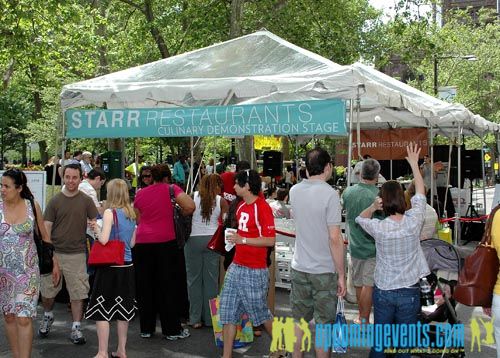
(262,67)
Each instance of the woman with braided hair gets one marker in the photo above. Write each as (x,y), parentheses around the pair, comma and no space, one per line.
(202,265)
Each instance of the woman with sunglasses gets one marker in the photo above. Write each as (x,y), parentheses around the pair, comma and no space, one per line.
(19,272)
(145,177)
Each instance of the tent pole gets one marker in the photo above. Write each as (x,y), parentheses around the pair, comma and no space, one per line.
(390,171)
(190,182)
(63,149)
(197,175)
(297,158)
(431,136)
(358,124)
(54,170)
(215,153)
(252,154)
(483,172)
(459,185)
(349,140)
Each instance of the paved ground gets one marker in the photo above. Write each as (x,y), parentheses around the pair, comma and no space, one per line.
(201,343)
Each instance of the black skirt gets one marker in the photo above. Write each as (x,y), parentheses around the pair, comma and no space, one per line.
(113,294)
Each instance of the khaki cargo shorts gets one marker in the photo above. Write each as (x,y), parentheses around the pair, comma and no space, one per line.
(314,296)
(363,272)
(74,270)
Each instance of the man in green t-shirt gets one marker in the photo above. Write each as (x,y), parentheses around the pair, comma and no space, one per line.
(361,245)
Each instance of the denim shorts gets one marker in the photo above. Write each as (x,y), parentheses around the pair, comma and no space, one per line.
(245,290)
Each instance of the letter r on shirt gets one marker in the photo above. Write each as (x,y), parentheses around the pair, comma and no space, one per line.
(242,223)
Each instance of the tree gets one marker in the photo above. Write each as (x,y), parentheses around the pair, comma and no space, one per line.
(14,112)
(417,42)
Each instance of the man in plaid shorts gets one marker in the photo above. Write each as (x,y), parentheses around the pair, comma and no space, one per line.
(247,279)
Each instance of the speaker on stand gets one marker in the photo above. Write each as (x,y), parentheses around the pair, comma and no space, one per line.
(273,163)
(471,169)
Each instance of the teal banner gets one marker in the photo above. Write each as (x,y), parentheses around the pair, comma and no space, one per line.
(280,118)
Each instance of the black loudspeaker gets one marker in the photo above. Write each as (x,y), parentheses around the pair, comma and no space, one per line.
(273,163)
(400,168)
(442,152)
(471,164)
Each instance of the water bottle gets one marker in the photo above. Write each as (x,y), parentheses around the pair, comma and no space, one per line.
(426,296)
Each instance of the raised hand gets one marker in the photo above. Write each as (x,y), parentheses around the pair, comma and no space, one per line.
(413,152)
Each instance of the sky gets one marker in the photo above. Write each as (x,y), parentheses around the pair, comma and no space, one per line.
(388,7)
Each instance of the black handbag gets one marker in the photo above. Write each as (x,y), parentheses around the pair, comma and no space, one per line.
(44,250)
(182,223)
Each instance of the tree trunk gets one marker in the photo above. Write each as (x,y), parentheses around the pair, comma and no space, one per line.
(2,148)
(155,32)
(37,113)
(285,147)
(236,14)
(101,33)
(24,157)
(246,151)
(43,149)
(102,50)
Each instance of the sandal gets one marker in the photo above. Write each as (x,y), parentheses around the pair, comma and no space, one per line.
(197,325)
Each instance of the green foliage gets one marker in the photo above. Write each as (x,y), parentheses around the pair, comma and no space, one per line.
(46,44)
(14,114)
(416,42)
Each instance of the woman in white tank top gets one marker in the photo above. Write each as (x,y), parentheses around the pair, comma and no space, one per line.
(202,265)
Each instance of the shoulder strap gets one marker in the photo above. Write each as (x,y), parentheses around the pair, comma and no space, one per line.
(33,209)
(487,230)
(115,224)
(172,195)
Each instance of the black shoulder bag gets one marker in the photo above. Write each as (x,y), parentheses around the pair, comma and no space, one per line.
(182,224)
(44,250)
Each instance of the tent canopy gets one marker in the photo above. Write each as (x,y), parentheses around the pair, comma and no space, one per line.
(263,68)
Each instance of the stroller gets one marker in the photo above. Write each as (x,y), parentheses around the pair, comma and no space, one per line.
(444,263)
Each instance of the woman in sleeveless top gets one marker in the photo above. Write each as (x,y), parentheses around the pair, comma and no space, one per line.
(202,265)
(19,272)
(113,293)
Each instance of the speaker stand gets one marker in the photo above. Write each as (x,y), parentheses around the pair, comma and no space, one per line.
(468,230)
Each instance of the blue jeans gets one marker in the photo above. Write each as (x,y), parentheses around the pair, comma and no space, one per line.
(393,307)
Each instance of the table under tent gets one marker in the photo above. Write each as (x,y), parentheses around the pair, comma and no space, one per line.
(254,84)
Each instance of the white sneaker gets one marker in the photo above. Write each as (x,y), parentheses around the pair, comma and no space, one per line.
(44,329)
(77,337)
(183,334)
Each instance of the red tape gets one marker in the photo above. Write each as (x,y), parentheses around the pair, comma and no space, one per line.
(480,218)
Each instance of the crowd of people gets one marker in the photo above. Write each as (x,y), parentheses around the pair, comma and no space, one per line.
(160,278)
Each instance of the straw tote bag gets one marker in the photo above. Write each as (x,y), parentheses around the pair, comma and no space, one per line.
(479,273)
